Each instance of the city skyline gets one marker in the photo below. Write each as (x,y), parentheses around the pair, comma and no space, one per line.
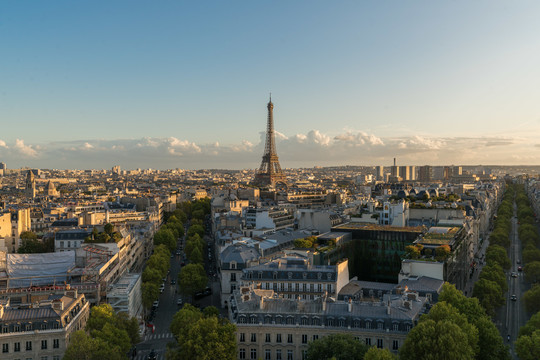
(185,86)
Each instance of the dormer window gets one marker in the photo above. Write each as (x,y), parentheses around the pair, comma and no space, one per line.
(319,276)
(329,276)
(233,265)
(289,275)
(260,274)
(274,275)
(304,275)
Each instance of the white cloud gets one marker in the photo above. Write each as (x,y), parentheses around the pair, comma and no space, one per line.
(3,144)
(25,150)
(300,150)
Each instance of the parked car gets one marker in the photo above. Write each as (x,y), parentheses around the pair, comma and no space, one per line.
(173,281)
(155,304)
(203,293)
(513,298)
(514,274)
(179,302)
(152,355)
(520,268)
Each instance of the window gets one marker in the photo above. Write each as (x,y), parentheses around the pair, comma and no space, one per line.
(368,324)
(253,337)
(315,337)
(368,341)
(242,354)
(319,287)
(304,287)
(43,344)
(289,339)
(44,358)
(233,287)
(274,275)
(290,355)
(380,343)
(395,344)
(329,288)
(380,325)
(17,346)
(260,274)
(267,354)
(17,328)
(253,354)
(242,337)
(278,354)
(233,276)
(304,339)
(233,267)
(267,286)
(56,357)
(278,338)
(56,343)
(61,244)
(28,346)
(43,326)
(395,327)
(5,348)
(341,323)
(28,327)
(304,321)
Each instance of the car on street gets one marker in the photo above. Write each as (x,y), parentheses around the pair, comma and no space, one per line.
(173,281)
(179,302)
(513,297)
(161,288)
(152,355)
(203,293)
(514,274)
(155,304)
(518,261)
(520,268)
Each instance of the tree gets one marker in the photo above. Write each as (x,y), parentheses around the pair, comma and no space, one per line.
(379,354)
(531,254)
(165,237)
(430,340)
(489,294)
(528,346)
(531,299)
(99,316)
(210,311)
(496,253)
(412,251)
(191,279)
(196,229)
(532,271)
(151,275)
(108,228)
(201,337)
(340,346)
(490,343)
(494,272)
(31,246)
(113,336)
(150,293)
(443,311)
(84,347)
(442,252)
(196,256)
(531,325)
(303,244)
(28,235)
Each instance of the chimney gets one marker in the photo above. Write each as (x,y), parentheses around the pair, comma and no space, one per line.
(349,305)
(261,303)
(58,305)
(388,307)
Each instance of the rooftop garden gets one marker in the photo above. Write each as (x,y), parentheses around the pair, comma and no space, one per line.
(312,242)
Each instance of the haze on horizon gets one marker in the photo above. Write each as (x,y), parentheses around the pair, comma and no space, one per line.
(141,84)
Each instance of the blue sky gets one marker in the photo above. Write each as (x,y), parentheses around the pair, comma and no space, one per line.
(92,84)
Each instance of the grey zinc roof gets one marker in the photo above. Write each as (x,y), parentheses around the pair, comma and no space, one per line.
(240,253)
(423,284)
(33,314)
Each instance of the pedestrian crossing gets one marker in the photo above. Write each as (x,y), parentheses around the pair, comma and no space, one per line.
(149,337)
(143,355)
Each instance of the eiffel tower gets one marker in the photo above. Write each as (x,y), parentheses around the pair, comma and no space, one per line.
(269,173)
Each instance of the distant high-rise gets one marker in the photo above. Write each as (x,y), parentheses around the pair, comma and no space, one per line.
(425,173)
(30,184)
(394,171)
(404,173)
(412,172)
(269,173)
(3,169)
(379,172)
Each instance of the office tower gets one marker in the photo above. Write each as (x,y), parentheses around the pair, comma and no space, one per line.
(425,173)
(404,173)
(412,173)
(379,172)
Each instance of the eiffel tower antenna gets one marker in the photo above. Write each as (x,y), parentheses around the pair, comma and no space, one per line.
(269,173)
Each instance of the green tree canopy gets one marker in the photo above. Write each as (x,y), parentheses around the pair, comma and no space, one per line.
(28,235)
(201,337)
(530,254)
(165,236)
(149,293)
(340,346)
(528,346)
(494,272)
(489,294)
(531,299)
(84,347)
(196,256)
(379,354)
(531,325)
(496,253)
(532,271)
(192,278)
(108,228)
(196,229)
(430,340)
